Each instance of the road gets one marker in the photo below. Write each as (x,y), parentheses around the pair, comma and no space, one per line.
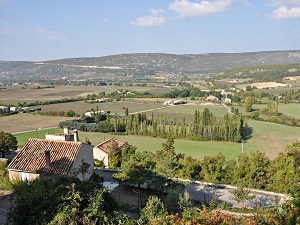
(205,193)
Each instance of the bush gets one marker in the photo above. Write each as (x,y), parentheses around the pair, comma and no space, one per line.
(105,127)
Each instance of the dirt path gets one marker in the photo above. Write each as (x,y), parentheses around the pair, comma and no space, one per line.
(6,199)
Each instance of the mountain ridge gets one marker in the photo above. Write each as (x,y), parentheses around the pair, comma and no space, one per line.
(141,65)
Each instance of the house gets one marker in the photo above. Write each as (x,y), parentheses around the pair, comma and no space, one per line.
(40,157)
(103,150)
(92,113)
(103,100)
(228,100)
(66,136)
(15,108)
(4,109)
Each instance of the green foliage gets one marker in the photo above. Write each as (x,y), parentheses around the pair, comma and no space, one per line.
(241,194)
(105,126)
(212,168)
(4,180)
(154,212)
(7,142)
(62,200)
(137,170)
(71,113)
(248,102)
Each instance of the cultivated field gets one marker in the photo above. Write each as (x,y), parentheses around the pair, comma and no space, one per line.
(14,94)
(25,121)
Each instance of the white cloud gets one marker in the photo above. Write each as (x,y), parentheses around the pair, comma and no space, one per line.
(149,21)
(186,8)
(289,3)
(156,12)
(283,13)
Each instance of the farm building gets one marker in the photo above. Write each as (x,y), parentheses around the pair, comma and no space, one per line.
(103,150)
(103,100)
(15,108)
(92,113)
(4,109)
(40,157)
(66,136)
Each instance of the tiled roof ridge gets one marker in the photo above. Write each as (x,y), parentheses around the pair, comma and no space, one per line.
(103,142)
(31,157)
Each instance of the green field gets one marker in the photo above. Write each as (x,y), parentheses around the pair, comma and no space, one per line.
(271,138)
(265,137)
(291,109)
(193,148)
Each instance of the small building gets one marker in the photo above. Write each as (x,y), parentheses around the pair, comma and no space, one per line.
(4,109)
(102,100)
(92,113)
(228,100)
(40,157)
(15,108)
(103,150)
(66,136)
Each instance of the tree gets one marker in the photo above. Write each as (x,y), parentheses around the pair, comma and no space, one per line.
(154,212)
(248,104)
(7,142)
(241,194)
(105,126)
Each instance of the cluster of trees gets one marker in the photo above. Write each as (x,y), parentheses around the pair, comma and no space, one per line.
(204,127)
(7,142)
(64,200)
(254,170)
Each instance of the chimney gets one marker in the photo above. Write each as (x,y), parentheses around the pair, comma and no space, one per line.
(76,139)
(66,130)
(48,162)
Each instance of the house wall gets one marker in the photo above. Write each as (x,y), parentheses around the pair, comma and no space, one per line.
(85,154)
(17,175)
(100,155)
(55,137)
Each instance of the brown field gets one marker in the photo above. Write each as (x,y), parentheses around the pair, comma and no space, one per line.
(267,85)
(25,121)
(19,93)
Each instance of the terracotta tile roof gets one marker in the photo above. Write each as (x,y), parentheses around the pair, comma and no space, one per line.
(32,158)
(106,146)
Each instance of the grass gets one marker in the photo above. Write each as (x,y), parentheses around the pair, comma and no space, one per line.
(290,110)
(193,148)
(270,138)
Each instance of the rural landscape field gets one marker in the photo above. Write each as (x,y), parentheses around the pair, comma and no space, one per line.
(217,128)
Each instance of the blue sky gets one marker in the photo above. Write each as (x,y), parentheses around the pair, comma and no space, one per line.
(36,30)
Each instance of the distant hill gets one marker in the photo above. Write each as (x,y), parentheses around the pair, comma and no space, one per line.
(144,65)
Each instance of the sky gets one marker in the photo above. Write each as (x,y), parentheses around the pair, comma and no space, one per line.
(38,30)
